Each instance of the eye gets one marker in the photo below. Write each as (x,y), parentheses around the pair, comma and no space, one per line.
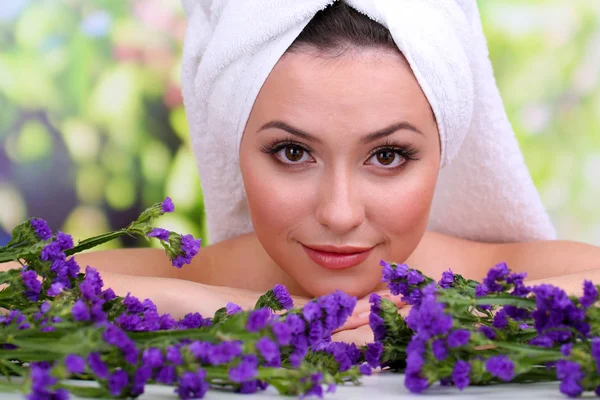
(387,158)
(292,154)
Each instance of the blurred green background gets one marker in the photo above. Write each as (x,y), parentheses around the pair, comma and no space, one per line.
(93,130)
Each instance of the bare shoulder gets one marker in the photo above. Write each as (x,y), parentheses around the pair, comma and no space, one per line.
(438,252)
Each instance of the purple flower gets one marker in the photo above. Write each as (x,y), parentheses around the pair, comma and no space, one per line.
(315,332)
(459,337)
(516,313)
(460,374)
(258,319)
(496,277)
(269,350)
(108,295)
(555,312)
(487,332)
(97,365)
(542,341)
(345,354)
(75,364)
(55,289)
(447,279)
(72,267)
(296,324)
(224,352)
(152,357)
(391,272)
(245,370)
(282,333)
(500,320)
(414,277)
(283,296)
(438,347)
(160,233)
(501,367)
(174,356)
(428,319)
(33,287)
(415,383)
(590,294)
(192,320)
(91,287)
(132,304)
(167,205)
(565,349)
(41,228)
(192,385)
(519,288)
(365,369)
(117,382)
(166,375)
(373,354)
(80,311)
(316,389)
(232,308)
(311,311)
(376,323)
(596,351)
(65,241)
(481,290)
(52,252)
(250,387)
(570,375)
(115,336)
(190,246)
(41,381)
(141,376)
(14,316)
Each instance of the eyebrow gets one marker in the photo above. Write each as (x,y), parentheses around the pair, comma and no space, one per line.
(371,137)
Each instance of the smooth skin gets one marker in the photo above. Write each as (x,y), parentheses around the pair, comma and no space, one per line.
(324,162)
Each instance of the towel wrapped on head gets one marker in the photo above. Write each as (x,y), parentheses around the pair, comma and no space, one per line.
(484,190)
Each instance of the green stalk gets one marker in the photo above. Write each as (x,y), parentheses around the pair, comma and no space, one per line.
(96,241)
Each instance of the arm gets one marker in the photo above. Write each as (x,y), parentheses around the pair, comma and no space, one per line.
(148,273)
(560,262)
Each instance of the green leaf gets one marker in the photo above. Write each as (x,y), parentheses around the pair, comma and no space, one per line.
(87,391)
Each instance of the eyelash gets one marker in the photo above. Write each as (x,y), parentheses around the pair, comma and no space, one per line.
(406,151)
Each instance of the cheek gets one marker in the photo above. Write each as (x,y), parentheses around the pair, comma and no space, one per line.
(401,208)
(278,203)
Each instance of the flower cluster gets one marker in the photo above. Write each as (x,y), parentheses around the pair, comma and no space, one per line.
(466,333)
(125,344)
(405,281)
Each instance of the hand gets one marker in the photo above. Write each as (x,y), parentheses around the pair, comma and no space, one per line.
(360,316)
(359,336)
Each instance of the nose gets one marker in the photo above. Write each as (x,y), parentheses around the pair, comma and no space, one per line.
(340,207)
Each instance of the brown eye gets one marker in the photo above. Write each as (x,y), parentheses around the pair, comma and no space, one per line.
(294,153)
(386,157)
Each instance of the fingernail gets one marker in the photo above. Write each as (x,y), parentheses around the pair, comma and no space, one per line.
(364,314)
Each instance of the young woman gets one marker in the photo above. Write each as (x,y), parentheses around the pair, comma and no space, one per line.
(339,162)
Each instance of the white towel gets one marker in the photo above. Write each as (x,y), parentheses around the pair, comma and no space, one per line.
(484,192)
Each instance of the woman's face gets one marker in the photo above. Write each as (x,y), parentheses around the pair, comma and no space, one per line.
(340,158)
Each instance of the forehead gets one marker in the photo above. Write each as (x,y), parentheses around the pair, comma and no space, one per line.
(361,90)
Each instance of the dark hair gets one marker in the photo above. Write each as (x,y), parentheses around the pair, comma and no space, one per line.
(340,27)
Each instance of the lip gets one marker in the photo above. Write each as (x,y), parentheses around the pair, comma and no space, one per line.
(332,257)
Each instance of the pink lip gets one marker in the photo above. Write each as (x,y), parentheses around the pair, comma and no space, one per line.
(337,257)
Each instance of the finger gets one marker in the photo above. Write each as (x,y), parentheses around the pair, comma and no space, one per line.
(354,321)
(397,300)
(360,336)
